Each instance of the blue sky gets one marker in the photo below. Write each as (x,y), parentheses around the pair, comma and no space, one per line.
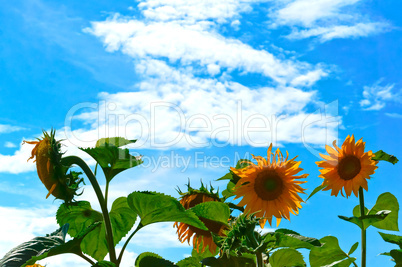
(193,80)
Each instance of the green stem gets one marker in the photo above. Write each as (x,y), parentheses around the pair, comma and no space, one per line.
(127,241)
(254,243)
(106,192)
(70,160)
(86,258)
(362,213)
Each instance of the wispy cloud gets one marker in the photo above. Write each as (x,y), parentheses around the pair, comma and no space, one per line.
(10,144)
(340,31)
(325,19)
(6,128)
(376,96)
(197,43)
(394,115)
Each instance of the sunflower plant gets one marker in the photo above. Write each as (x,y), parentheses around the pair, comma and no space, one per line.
(224,228)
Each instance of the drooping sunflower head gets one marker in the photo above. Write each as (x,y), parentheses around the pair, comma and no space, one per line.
(51,172)
(347,168)
(201,238)
(270,188)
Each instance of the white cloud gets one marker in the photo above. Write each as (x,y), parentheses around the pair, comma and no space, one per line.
(6,128)
(308,12)
(220,11)
(194,43)
(376,96)
(325,19)
(9,144)
(196,112)
(340,31)
(17,162)
(394,115)
(22,225)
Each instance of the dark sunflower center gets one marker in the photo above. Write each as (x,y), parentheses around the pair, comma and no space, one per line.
(349,167)
(268,185)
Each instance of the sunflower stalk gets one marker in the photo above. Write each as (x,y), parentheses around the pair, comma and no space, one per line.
(254,243)
(362,213)
(70,160)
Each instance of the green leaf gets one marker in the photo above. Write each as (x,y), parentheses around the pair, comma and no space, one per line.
(19,255)
(213,210)
(122,219)
(104,264)
(114,141)
(286,231)
(79,215)
(381,155)
(155,207)
(367,220)
(72,246)
(353,248)
(286,257)
(316,190)
(329,254)
(148,259)
(189,262)
(295,241)
(112,159)
(356,211)
(246,260)
(394,239)
(387,201)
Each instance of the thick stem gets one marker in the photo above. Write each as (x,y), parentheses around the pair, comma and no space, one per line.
(127,241)
(251,237)
(70,160)
(362,213)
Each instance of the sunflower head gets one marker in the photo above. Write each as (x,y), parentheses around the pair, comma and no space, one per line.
(346,168)
(201,238)
(270,188)
(51,172)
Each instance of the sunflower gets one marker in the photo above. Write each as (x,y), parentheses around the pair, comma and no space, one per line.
(347,167)
(50,170)
(270,187)
(201,238)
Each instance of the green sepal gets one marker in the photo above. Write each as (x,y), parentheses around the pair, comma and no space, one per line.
(148,259)
(329,254)
(286,257)
(111,158)
(19,255)
(155,207)
(381,155)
